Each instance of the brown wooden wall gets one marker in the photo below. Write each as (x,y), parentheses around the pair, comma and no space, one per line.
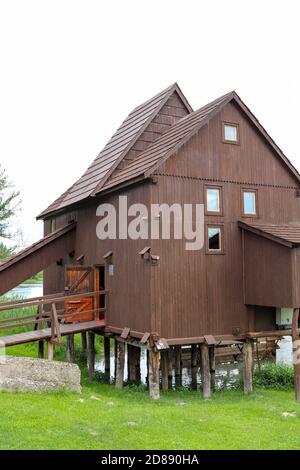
(192,293)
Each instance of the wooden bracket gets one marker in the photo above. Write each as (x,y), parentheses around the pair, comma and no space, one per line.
(145,338)
(161,344)
(125,333)
(210,340)
(108,255)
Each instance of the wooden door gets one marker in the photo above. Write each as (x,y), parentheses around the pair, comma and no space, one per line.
(79,280)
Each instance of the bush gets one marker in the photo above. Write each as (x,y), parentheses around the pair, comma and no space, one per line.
(275,376)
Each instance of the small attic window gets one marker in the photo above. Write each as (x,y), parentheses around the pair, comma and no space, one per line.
(231,133)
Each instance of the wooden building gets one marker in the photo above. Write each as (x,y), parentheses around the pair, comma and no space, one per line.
(243,284)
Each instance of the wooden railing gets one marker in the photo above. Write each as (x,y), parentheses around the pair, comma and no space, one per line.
(51,312)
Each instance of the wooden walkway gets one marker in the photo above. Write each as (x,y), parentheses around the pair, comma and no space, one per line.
(45,333)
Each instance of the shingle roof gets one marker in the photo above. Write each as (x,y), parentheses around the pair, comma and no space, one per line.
(115,150)
(168,142)
(288,234)
(181,132)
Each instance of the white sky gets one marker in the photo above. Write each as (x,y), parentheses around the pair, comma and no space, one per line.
(71,71)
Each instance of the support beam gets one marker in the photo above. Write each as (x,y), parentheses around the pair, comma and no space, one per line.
(194,365)
(84,341)
(120,364)
(164,355)
(132,363)
(70,348)
(296,353)
(91,355)
(212,362)
(106,341)
(41,349)
(178,366)
(170,368)
(205,371)
(50,350)
(154,374)
(248,366)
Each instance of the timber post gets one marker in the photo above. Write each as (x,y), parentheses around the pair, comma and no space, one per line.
(41,349)
(248,366)
(70,348)
(212,362)
(91,354)
(296,353)
(106,341)
(131,363)
(120,364)
(154,374)
(205,371)
(194,365)
(50,350)
(165,369)
(178,366)
(170,368)
(84,341)
(115,359)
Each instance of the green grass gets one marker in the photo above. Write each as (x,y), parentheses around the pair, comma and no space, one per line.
(127,419)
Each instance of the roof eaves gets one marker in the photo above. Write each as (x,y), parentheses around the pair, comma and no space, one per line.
(170,91)
(257,231)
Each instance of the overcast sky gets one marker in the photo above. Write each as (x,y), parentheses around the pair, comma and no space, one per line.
(71,71)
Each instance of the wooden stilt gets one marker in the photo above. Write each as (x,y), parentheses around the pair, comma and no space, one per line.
(41,350)
(120,364)
(194,365)
(115,356)
(131,363)
(154,374)
(50,350)
(248,366)
(138,365)
(212,362)
(164,369)
(178,369)
(205,371)
(84,341)
(106,341)
(70,348)
(91,354)
(170,368)
(296,352)
(148,367)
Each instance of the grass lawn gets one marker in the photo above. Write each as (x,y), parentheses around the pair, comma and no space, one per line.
(106,418)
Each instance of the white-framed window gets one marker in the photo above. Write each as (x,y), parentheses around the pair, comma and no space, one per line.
(249,203)
(231,133)
(213,200)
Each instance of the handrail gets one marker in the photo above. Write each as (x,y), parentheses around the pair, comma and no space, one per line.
(53,316)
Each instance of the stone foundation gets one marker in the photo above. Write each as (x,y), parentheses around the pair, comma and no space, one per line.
(38,375)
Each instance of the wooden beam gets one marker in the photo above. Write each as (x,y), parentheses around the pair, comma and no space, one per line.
(84,341)
(50,350)
(248,366)
(91,355)
(154,374)
(120,364)
(106,344)
(205,371)
(194,365)
(164,369)
(178,366)
(41,349)
(296,353)
(212,363)
(70,348)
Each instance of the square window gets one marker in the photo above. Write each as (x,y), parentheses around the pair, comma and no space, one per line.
(249,201)
(230,133)
(213,200)
(214,238)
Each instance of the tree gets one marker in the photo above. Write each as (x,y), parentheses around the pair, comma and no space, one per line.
(9,201)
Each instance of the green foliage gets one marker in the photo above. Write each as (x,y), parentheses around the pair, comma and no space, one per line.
(9,201)
(275,376)
(5,252)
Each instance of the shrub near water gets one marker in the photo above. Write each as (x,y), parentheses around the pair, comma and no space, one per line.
(275,376)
